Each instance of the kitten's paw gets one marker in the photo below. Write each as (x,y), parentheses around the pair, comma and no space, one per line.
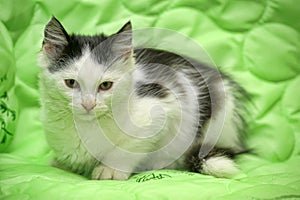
(102,172)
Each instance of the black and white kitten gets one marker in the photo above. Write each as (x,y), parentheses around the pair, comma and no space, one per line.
(155,109)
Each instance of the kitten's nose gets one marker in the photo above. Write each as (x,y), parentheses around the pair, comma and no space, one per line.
(88,102)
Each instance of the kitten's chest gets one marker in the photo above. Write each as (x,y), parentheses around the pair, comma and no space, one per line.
(65,141)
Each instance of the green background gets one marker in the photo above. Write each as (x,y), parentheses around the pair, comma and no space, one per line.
(257,41)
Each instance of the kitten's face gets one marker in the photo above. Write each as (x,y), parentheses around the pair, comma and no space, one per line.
(85,71)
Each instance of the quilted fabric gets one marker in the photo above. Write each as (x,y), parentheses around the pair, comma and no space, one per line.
(257,41)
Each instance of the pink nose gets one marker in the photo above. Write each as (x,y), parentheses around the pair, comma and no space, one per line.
(88,106)
(88,102)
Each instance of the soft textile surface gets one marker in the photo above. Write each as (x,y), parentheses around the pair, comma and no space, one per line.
(258,41)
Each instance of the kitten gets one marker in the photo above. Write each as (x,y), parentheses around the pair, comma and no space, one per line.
(110,110)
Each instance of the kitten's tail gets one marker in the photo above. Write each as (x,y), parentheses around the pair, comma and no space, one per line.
(219,163)
(219,166)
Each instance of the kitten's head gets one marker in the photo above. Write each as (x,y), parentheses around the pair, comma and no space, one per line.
(85,70)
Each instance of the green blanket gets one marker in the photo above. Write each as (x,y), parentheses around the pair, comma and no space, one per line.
(257,41)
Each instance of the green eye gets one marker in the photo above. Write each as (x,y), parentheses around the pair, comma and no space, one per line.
(71,83)
(105,85)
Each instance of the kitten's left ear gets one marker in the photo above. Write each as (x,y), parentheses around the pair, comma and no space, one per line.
(55,38)
(122,43)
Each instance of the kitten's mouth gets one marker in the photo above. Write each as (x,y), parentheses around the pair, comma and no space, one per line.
(85,116)
(89,115)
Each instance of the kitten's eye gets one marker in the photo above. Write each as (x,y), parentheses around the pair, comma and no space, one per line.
(105,85)
(71,83)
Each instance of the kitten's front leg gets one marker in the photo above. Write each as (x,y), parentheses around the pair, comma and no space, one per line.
(102,172)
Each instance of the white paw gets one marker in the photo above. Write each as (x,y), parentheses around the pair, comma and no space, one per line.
(102,172)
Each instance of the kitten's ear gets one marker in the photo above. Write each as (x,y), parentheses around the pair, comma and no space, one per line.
(126,27)
(55,38)
(122,43)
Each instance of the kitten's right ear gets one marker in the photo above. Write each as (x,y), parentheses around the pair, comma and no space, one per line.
(55,38)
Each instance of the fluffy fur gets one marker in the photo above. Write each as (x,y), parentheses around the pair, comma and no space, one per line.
(159,106)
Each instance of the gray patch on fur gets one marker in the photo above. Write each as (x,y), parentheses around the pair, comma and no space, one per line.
(64,48)
(151,90)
